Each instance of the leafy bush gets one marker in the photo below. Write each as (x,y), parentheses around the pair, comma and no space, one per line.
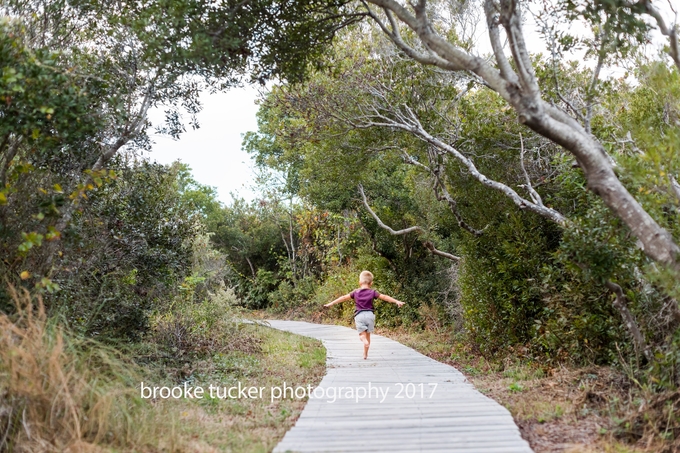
(201,328)
(500,290)
(127,252)
(293,298)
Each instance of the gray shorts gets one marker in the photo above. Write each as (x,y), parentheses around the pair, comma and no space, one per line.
(365,321)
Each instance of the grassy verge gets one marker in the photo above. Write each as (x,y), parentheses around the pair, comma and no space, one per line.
(557,409)
(243,424)
(59,392)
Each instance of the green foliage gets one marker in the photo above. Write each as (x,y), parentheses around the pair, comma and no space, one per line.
(525,284)
(76,81)
(49,125)
(196,196)
(128,228)
(622,23)
(498,280)
(134,244)
(43,105)
(259,289)
(341,281)
(289,297)
(199,327)
(218,40)
(202,317)
(651,162)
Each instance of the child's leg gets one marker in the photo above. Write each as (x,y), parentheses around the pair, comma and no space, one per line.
(366,339)
(363,336)
(365,322)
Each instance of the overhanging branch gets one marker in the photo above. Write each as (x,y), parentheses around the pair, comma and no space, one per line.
(442,194)
(409,122)
(621,304)
(427,244)
(670,32)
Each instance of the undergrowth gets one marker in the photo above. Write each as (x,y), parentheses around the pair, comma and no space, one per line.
(61,392)
(562,408)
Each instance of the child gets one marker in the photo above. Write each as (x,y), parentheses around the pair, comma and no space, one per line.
(363,303)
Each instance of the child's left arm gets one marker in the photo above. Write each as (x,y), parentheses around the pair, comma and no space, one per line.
(392,300)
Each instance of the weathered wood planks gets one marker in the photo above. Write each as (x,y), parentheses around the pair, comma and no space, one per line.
(400,415)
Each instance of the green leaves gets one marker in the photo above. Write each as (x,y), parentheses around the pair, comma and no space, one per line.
(30,240)
(621,21)
(46,284)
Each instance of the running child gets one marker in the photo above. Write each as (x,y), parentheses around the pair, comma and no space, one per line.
(364,317)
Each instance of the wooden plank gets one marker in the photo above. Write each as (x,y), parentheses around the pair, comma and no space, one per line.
(456,418)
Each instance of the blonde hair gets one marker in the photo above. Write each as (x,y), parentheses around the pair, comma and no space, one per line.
(365,277)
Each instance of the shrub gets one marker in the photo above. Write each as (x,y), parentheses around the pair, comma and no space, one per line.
(125,253)
(202,328)
(498,281)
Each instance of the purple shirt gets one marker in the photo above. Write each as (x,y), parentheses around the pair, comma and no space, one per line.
(363,299)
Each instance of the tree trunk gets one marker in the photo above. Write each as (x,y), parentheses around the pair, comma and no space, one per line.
(654,241)
(621,304)
(517,83)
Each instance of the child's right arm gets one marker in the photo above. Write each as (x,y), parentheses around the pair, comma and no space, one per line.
(338,300)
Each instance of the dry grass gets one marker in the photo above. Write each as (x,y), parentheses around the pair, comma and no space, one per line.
(62,393)
(593,409)
(58,393)
(254,425)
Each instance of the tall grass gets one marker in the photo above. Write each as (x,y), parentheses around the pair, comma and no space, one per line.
(60,392)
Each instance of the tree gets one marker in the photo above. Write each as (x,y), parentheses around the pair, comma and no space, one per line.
(515,80)
(116,62)
(402,130)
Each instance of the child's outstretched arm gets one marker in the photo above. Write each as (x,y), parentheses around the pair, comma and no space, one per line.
(338,300)
(387,298)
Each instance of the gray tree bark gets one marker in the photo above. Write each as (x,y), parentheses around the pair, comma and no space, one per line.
(519,87)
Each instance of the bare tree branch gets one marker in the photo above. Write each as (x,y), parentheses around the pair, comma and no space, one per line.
(394,35)
(428,245)
(12,150)
(381,224)
(512,22)
(131,131)
(590,95)
(492,21)
(534,195)
(675,187)
(670,32)
(410,123)
(441,47)
(445,195)
(542,117)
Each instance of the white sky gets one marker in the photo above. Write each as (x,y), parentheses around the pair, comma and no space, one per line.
(214,150)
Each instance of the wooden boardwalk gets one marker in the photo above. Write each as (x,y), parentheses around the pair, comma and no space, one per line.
(405,411)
